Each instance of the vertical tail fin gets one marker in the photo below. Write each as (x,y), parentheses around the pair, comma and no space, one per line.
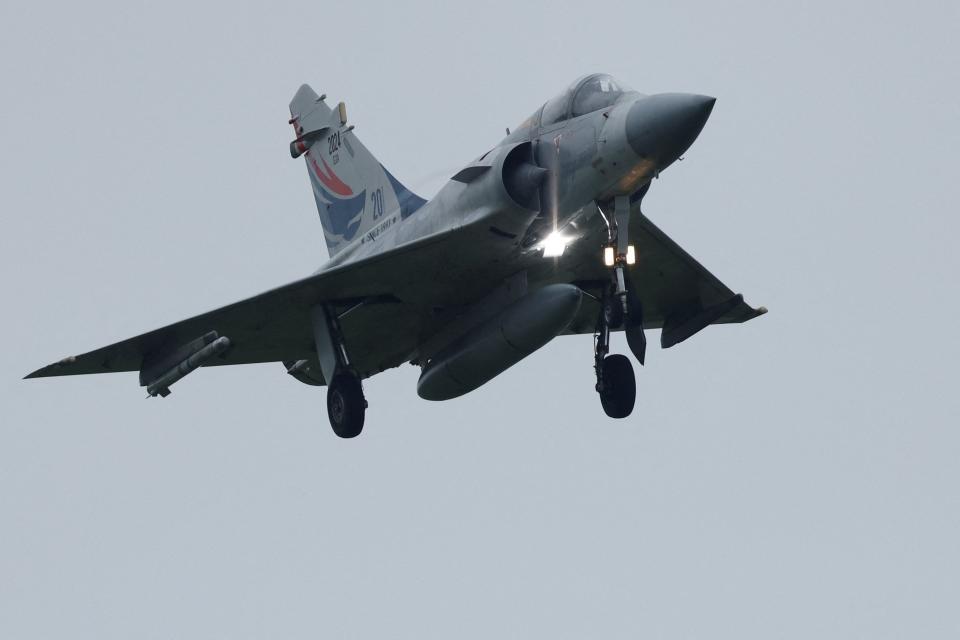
(353,191)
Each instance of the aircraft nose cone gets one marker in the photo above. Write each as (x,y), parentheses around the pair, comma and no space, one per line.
(663,126)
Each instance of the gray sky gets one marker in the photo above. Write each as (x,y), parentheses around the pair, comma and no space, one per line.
(794,477)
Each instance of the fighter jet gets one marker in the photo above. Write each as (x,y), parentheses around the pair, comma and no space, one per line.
(542,235)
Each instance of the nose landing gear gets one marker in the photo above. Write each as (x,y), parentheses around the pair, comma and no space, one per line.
(616,382)
(613,314)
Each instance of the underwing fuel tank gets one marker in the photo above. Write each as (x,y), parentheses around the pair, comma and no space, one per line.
(499,343)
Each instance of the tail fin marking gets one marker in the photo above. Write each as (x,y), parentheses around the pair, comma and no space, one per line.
(352,189)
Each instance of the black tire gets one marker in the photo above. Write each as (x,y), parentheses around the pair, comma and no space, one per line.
(346,405)
(618,391)
(613,312)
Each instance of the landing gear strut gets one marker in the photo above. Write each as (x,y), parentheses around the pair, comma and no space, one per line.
(616,383)
(346,405)
(612,312)
(618,253)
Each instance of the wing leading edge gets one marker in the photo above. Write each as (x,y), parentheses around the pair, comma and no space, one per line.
(275,325)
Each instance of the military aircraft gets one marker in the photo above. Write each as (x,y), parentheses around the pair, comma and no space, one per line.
(541,235)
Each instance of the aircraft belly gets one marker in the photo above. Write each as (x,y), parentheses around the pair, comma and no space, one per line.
(461,268)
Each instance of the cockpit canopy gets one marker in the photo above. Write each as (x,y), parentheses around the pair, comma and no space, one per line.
(594,93)
(586,95)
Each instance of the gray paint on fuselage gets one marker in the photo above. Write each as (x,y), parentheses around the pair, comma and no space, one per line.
(593,160)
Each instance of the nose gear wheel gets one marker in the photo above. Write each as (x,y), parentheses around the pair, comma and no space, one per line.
(617,386)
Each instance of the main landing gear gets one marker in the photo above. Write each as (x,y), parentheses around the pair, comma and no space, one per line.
(346,405)
(616,382)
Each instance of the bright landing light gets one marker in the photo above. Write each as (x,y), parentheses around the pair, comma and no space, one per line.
(553,245)
(610,257)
